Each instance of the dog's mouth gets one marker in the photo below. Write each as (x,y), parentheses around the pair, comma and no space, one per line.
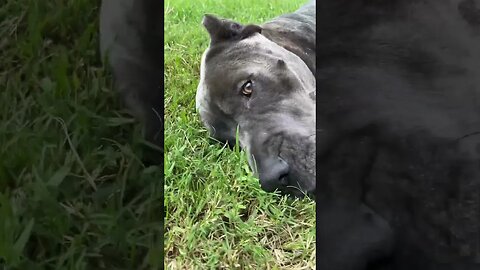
(301,179)
(300,189)
(299,182)
(296,192)
(290,172)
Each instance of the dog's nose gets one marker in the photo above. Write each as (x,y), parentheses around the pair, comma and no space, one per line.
(274,174)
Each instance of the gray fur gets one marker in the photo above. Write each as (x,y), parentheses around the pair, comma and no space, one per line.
(277,122)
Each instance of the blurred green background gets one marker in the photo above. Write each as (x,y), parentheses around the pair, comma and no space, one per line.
(73,192)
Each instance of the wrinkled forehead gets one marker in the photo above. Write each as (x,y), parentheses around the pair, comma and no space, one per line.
(226,64)
(253,54)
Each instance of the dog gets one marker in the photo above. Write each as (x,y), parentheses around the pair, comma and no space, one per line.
(260,80)
(398,145)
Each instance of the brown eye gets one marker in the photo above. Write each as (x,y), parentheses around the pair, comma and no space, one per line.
(247,88)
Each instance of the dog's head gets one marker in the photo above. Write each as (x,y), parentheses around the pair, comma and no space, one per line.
(250,83)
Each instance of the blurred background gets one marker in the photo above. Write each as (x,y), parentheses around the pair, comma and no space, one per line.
(74,193)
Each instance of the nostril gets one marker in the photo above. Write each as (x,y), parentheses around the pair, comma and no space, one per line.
(273,173)
(282,171)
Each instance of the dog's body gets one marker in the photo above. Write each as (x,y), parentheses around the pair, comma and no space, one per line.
(399,152)
(276,116)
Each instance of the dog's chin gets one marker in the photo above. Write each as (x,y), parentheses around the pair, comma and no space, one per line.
(295,191)
(299,193)
(301,183)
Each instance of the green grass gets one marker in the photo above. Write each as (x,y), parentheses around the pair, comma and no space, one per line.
(217,217)
(73,193)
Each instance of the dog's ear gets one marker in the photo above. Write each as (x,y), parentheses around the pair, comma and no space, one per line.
(223,29)
(249,30)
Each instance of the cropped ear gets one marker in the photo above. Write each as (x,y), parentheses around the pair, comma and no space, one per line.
(249,30)
(224,30)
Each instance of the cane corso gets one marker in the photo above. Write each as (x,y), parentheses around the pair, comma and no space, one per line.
(258,81)
(398,154)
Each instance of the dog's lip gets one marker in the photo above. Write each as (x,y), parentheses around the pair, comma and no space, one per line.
(300,184)
(284,180)
(297,191)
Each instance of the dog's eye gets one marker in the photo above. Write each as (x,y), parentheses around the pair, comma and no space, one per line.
(247,88)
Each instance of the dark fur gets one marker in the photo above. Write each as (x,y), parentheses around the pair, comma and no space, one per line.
(296,33)
(398,132)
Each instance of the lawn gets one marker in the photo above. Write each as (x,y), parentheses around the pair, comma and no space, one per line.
(217,217)
(73,192)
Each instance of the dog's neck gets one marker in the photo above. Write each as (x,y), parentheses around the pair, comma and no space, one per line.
(289,32)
